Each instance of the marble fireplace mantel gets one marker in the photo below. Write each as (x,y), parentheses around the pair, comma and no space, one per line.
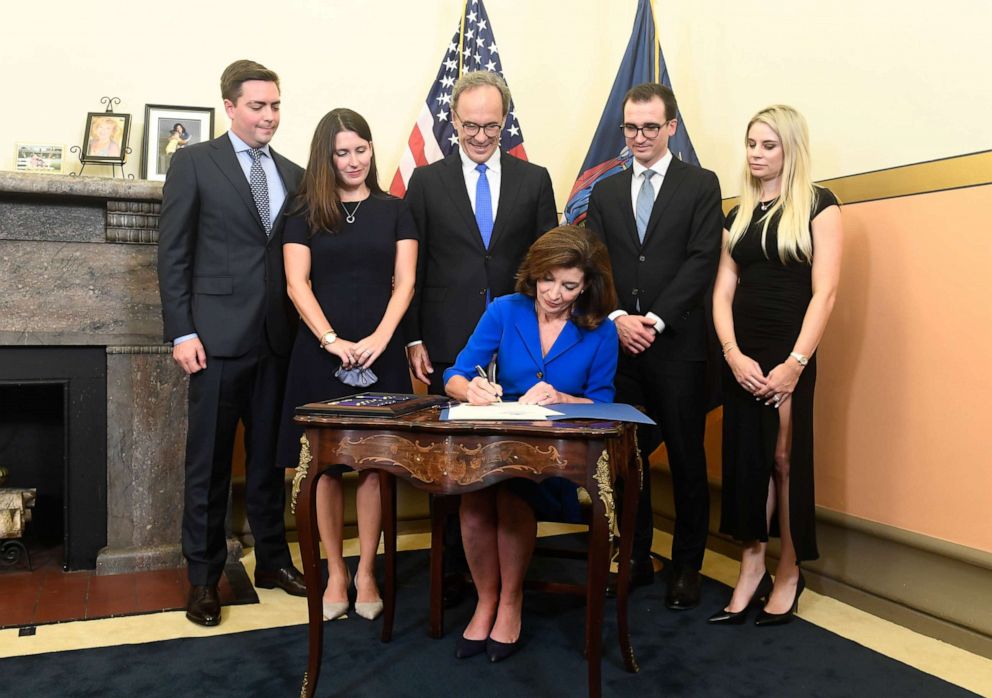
(77,268)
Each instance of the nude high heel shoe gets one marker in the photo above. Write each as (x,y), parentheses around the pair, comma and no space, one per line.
(334,610)
(369,610)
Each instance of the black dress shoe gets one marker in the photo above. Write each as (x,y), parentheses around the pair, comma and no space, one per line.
(683,589)
(289,579)
(641,574)
(465,648)
(498,651)
(203,605)
(725,617)
(766,618)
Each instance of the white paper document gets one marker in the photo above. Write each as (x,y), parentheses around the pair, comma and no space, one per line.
(501,410)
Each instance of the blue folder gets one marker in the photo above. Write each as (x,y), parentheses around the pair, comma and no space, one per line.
(617,411)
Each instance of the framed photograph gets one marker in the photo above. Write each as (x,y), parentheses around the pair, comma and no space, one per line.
(39,157)
(106,137)
(168,129)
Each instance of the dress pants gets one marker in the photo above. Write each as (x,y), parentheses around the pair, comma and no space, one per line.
(674,395)
(247,388)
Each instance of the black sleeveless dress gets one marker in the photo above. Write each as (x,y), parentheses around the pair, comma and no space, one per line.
(769,306)
(351,274)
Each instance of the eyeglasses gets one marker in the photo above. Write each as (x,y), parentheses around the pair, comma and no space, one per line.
(650,131)
(472,129)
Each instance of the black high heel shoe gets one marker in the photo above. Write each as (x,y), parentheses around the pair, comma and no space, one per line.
(498,651)
(725,617)
(766,618)
(465,648)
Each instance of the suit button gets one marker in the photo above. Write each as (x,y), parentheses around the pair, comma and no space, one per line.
(482,292)
(641,258)
(634,292)
(540,375)
(488,257)
(685,316)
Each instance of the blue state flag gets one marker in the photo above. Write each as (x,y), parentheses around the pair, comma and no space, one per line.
(643,61)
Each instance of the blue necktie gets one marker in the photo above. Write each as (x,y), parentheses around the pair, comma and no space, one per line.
(483,206)
(645,202)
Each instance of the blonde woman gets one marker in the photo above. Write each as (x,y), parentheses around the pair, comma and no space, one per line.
(774,292)
(105,137)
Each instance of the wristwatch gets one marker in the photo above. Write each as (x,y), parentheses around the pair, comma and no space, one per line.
(328,337)
(800,358)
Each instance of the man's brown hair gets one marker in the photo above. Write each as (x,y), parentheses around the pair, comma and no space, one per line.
(240,72)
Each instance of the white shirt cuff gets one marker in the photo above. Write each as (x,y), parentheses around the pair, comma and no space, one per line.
(179,340)
(617,313)
(659,324)
(414,343)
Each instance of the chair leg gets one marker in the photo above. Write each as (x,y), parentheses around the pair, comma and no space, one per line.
(439,515)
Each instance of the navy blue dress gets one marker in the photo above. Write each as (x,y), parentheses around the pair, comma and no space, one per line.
(351,274)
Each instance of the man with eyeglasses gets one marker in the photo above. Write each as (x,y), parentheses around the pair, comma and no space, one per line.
(477,211)
(662,222)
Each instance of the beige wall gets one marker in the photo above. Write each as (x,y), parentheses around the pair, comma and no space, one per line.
(883,83)
(900,436)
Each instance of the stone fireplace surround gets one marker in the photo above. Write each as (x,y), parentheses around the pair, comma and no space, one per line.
(77,269)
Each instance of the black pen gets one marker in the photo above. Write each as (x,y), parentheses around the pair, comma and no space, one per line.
(483,376)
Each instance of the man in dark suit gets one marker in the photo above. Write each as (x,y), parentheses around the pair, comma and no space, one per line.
(226,312)
(478,211)
(662,223)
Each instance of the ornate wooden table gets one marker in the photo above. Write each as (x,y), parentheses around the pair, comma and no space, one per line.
(449,458)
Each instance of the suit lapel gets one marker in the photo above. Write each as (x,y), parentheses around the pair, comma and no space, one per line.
(227,161)
(569,337)
(509,189)
(290,180)
(673,179)
(454,185)
(526,326)
(622,184)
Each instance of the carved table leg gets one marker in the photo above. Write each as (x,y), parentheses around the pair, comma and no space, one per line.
(387,494)
(439,514)
(304,506)
(623,452)
(599,561)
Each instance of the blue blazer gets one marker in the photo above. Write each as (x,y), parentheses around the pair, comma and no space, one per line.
(581,362)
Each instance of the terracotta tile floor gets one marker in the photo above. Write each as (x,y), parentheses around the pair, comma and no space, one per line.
(46,594)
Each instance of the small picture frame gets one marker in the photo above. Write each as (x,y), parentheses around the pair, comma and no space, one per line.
(105,138)
(169,129)
(44,158)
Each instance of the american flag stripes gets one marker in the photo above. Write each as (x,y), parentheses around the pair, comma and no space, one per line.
(473,47)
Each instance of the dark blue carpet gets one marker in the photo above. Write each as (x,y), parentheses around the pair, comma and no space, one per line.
(678,653)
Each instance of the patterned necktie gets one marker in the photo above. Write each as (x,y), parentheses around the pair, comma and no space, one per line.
(260,188)
(645,202)
(484,206)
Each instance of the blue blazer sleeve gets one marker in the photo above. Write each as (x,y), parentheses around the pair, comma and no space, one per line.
(481,346)
(604,365)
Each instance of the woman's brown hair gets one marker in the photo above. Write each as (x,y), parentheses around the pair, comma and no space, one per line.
(318,193)
(572,247)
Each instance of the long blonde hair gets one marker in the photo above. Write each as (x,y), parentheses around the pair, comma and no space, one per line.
(797,195)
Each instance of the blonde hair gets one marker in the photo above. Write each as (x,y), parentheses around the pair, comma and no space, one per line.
(797,196)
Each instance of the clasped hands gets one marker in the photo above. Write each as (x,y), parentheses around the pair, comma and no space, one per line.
(636,332)
(774,389)
(482,392)
(362,353)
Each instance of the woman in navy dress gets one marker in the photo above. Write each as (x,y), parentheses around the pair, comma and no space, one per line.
(774,292)
(350,253)
(553,344)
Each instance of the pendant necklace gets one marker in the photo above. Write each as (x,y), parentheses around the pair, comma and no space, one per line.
(350,215)
(766,204)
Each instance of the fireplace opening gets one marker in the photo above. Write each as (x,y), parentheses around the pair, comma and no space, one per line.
(53,438)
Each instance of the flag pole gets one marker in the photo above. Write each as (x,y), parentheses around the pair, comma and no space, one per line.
(655,64)
(461,38)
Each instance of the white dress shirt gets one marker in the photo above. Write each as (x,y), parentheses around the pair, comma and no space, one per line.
(493,174)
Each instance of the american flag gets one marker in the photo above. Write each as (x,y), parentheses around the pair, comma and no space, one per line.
(473,47)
